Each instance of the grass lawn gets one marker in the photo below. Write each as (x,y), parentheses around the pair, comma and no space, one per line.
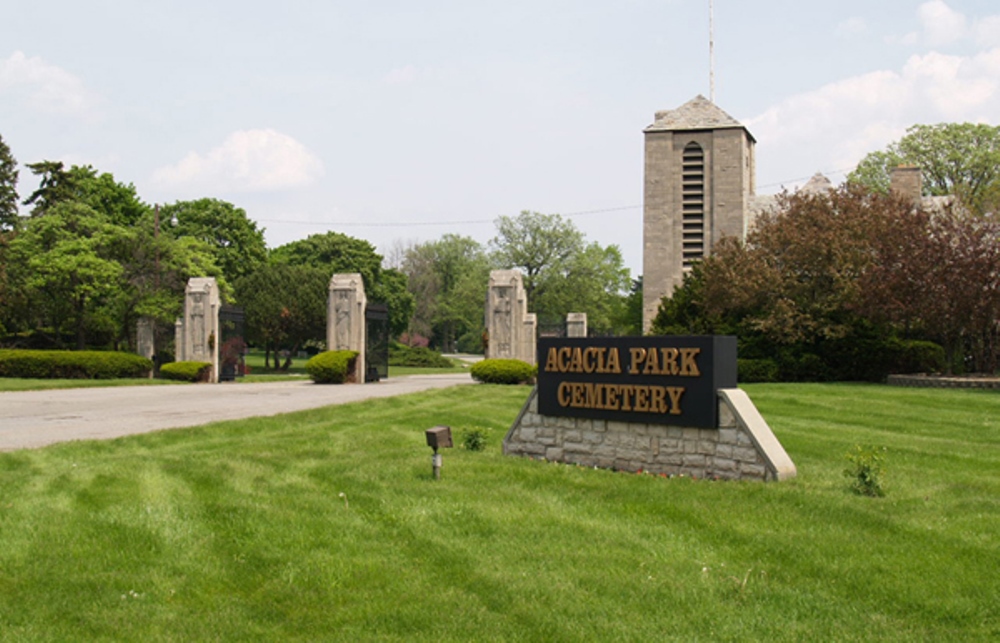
(327,525)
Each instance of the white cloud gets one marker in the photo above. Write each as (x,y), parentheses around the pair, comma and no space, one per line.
(402,75)
(247,161)
(987,31)
(45,87)
(942,25)
(834,126)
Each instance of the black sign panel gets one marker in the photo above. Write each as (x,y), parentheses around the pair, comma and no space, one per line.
(654,380)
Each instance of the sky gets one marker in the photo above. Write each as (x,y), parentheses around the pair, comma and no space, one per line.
(398,122)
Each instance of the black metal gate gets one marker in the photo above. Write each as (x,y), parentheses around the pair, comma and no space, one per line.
(232,347)
(376,342)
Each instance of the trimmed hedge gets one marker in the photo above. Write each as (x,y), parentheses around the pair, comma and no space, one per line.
(403,355)
(502,371)
(331,367)
(186,371)
(73,365)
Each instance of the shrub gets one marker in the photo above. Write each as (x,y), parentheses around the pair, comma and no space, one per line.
(920,357)
(332,367)
(88,365)
(502,371)
(866,470)
(402,355)
(475,439)
(757,370)
(187,371)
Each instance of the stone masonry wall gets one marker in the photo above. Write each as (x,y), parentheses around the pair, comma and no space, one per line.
(728,452)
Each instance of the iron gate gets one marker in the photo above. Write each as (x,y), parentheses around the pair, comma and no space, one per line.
(232,347)
(376,342)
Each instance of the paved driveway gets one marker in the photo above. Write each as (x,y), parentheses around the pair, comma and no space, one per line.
(36,418)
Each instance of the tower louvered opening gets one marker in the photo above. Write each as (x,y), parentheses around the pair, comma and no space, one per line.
(693,204)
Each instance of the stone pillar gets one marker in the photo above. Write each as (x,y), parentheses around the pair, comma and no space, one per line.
(506,305)
(200,328)
(345,321)
(528,352)
(576,325)
(179,354)
(907,181)
(145,339)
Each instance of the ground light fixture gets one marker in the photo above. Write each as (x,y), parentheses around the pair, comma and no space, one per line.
(438,437)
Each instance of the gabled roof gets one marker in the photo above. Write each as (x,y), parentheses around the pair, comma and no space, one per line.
(699,113)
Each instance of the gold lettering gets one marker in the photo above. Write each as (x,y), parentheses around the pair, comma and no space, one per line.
(614,364)
(612,390)
(657,402)
(689,367)
(600,359)
(578,392)
(562,393)
(669,366)
(626,391)
(652,363)
(563,356)
(642,398)
(551,362)
(638,355)
(576,366)
(675,393)
(589,357)
(593,396)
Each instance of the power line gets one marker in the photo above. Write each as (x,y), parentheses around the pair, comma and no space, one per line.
(357,224)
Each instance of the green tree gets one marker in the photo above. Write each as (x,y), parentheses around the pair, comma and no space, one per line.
(236,242)
(336,252)
(448,278)
(285,306)
(82,184)
(64,266)
(562,273)
(8,189)
(954,158)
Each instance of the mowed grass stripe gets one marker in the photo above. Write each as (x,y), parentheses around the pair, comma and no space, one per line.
(239,531)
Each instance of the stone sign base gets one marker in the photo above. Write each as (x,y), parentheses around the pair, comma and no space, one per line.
(741,448)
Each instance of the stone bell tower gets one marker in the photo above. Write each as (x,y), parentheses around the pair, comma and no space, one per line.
(699,187)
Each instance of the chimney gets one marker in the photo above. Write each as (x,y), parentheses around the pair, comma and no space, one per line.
(907,182)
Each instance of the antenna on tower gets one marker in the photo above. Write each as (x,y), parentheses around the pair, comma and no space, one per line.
(711,50)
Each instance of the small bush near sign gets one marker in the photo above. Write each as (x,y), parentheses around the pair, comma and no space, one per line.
(186,371)
(502,371)
(331,367)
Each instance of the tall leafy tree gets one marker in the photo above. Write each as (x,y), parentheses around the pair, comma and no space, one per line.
(285,306)
(64,261)
(336,252)
(954,158)
(562,272)
(448,278)
(8,189)
(236,241)
(82,184)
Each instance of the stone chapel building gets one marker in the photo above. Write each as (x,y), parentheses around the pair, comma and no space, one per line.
(700,182)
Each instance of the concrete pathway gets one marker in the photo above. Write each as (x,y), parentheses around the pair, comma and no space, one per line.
(33,419)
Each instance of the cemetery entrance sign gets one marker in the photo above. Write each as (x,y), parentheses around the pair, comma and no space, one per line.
(654,380)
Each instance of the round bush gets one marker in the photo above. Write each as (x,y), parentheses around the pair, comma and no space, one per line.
(502,371)
(186,371)
(86,365)
(331,367)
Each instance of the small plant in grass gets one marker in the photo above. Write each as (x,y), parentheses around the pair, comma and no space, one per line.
(865,472)
(475,438)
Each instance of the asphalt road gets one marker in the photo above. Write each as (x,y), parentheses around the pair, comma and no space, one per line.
(34,419)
